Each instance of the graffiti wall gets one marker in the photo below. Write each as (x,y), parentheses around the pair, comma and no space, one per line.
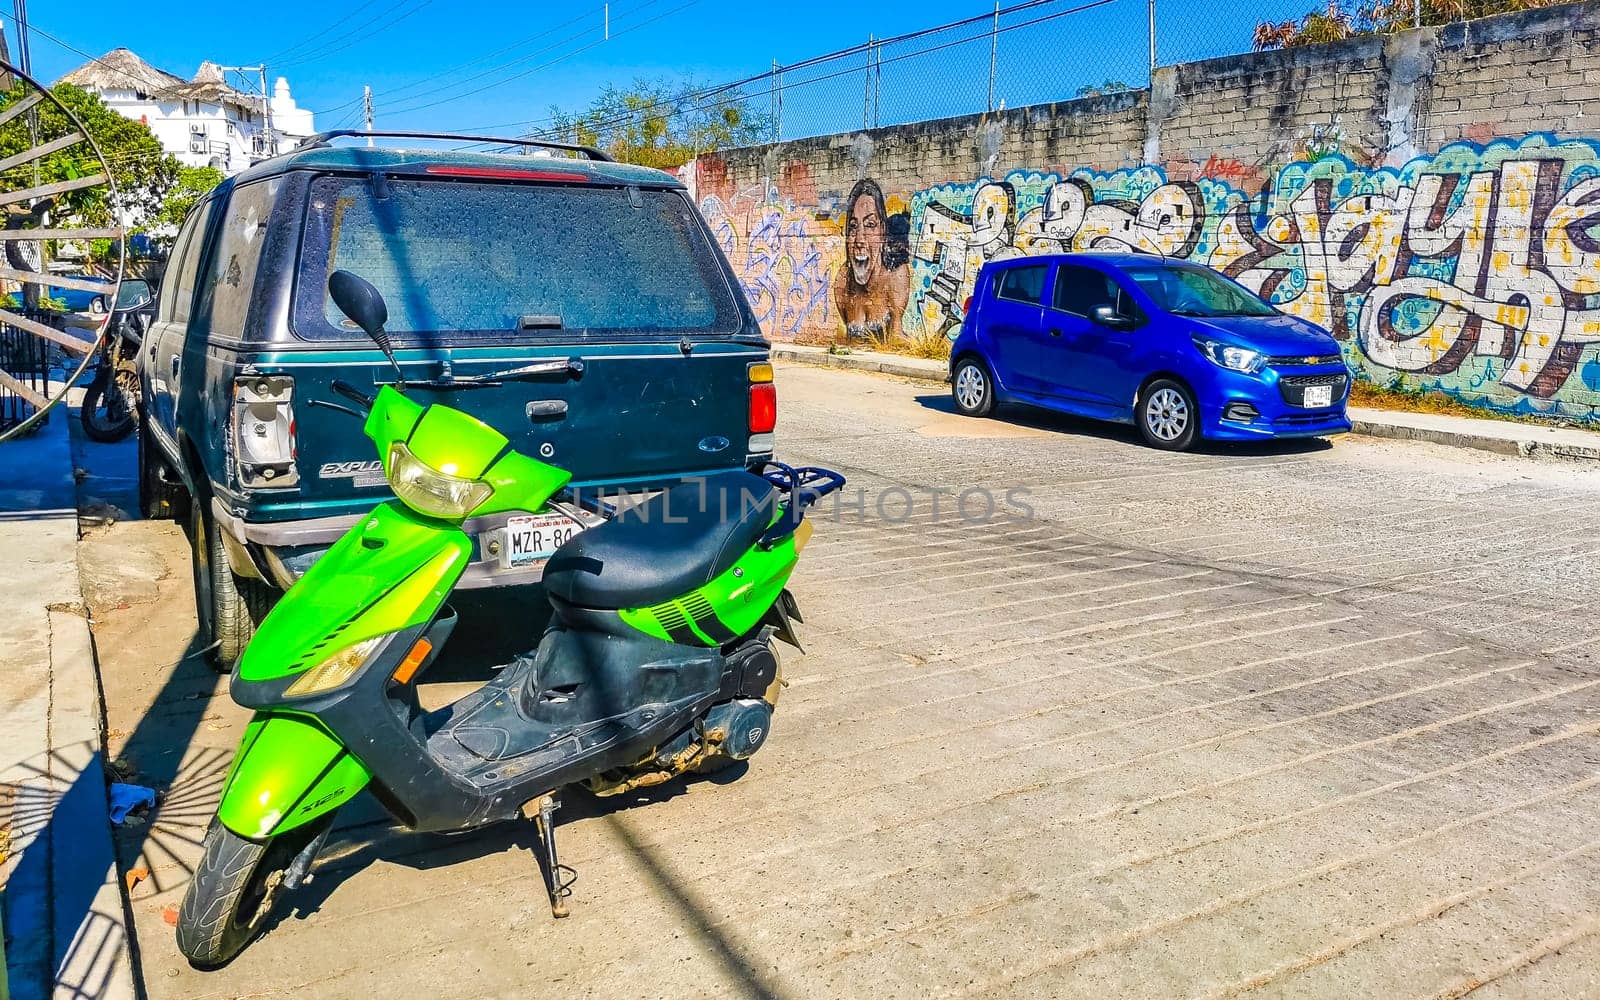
(1474,271)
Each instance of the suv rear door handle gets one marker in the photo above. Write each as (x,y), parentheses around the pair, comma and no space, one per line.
(547,409)
(1055,331)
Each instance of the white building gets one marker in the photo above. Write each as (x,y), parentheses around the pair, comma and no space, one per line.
(202,122)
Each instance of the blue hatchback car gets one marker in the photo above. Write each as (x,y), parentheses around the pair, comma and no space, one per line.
(1173,347)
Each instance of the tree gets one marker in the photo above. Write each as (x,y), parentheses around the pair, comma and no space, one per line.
(1380,17)
(190,186)
(141,170)
(662,123)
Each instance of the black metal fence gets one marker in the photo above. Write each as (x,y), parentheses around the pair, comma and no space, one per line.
(27,360)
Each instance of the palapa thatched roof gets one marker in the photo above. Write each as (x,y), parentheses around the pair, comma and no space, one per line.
(121,69)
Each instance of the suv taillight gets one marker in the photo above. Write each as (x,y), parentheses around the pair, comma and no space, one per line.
(763,407)
(263,431)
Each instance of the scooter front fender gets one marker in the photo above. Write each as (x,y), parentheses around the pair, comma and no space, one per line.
(392,570)
(288,771)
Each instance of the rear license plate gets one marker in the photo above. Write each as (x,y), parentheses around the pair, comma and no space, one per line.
(1318,395)
(533,538)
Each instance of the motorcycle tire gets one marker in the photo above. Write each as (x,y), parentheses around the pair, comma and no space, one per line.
(233,890)
(96,414)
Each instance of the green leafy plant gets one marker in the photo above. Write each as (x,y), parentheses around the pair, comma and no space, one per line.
(1338,20)
(662,123)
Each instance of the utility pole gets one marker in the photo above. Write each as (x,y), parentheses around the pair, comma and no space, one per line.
(270,144)
(19,10)
(367,104)
(266,112)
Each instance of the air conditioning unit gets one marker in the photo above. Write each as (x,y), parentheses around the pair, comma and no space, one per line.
(197,128)
(197,145)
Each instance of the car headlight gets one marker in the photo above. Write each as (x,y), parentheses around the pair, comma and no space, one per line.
(1231,356)
(336,669)
(429,491)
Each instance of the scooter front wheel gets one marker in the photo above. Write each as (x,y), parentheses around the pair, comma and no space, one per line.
(233,890)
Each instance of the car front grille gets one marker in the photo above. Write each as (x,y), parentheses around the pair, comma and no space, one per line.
(1302,360)
(1293,387)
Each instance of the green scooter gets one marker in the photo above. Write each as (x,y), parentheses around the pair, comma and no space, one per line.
(658,659)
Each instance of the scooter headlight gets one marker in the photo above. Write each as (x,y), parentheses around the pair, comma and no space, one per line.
(429,491)
(336,669)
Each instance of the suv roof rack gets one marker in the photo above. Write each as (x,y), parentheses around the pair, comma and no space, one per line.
(326,139)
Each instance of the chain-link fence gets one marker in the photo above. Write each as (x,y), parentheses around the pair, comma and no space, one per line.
(1025,52)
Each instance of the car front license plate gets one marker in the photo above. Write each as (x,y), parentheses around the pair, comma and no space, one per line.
(533,538)
(1318,395)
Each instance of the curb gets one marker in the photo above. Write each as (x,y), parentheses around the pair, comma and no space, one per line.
(63,899)
(92,945)
(908,368)
(1524,441)
(1527,447)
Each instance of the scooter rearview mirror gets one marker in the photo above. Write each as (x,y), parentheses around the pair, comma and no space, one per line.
(363,304)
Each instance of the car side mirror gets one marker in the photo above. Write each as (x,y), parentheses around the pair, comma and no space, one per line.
(1108,316)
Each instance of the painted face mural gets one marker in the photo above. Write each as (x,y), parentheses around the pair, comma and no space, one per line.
(1474,271)
(873,286)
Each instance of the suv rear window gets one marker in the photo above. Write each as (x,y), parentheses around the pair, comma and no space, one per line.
(509,261)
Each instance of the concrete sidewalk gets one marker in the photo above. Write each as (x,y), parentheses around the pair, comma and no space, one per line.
(1502,436)
(65,928)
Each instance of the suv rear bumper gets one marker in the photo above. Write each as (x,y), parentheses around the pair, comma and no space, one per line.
(280,551)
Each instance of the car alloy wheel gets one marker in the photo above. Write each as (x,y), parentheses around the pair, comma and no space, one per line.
(970,387)
(1166,413)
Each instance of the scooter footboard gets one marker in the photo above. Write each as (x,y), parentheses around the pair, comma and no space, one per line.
(288,771)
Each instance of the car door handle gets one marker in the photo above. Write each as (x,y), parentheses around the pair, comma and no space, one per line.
(1055,331)
(547,409)
(175,362)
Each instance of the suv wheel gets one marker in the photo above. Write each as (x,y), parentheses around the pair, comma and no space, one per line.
(228,607)
(972,388)
(1168,417)
(161,494)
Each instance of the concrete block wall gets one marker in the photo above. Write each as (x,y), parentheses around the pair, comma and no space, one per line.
(1431,197)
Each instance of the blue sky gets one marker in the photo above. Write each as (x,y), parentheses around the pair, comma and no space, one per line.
(521,58)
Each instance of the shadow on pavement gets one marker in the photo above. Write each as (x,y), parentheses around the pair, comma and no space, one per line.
(1042,419)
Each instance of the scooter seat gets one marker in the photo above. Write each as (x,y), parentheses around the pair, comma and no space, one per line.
(665,547)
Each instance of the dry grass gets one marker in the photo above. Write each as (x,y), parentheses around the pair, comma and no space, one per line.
(1410,400)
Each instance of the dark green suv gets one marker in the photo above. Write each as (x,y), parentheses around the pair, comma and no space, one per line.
(488,261)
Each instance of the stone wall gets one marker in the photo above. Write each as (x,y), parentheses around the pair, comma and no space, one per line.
(1431,197)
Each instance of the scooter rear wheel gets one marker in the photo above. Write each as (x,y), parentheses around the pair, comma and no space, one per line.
(233,890)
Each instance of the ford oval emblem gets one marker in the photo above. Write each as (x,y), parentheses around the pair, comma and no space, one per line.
(713,443)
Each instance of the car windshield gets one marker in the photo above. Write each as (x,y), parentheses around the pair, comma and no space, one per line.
(1197,291)
(510,261)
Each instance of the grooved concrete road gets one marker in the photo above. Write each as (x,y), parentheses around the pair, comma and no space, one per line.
(1313,721)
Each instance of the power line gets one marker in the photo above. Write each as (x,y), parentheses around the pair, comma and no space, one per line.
(34,29)
(337,44)
(520,60)
(302,43)
(695,95)
(433,77)
(559,59)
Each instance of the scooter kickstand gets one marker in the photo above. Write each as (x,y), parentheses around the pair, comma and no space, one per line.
(558,878)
